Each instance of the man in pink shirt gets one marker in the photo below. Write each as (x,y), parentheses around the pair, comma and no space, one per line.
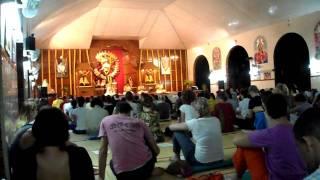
(132,145)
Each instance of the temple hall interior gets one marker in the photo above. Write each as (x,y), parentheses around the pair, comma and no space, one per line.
(166,89)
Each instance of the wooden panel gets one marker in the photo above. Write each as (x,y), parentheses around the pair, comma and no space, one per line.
(174,81)
(133,56)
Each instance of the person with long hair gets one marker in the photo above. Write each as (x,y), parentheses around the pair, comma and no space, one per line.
(52,156)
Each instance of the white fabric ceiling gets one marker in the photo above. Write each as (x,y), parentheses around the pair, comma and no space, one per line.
(156,23)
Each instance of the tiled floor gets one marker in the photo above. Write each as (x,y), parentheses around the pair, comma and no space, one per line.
(92,147)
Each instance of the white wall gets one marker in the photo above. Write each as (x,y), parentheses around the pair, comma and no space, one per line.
(303,25)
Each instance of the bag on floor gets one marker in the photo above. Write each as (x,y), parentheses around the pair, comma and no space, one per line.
(211,176)
(179,168)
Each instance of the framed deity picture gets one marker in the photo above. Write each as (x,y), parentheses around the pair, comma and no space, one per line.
(216,58)
(165,66)
(260,46)
(62,68)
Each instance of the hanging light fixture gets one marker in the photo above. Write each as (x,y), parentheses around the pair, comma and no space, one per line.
(31,8)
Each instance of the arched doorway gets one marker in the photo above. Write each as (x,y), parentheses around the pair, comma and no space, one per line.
(291,62)
(202,72)
(238,68)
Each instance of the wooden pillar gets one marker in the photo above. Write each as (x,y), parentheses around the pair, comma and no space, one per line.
(70,78)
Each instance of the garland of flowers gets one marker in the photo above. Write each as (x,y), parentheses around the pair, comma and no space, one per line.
(107,57)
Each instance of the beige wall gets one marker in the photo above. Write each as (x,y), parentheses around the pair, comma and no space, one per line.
(302,25)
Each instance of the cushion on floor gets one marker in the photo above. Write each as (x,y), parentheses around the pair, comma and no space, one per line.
(225,163)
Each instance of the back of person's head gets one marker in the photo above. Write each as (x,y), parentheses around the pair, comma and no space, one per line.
(244,93)
(43,102)
(50,128)
(188,96)
(87,100)
(308,124)
(96,102)
(253,89)
(108,99)
(27,108)
(123,107)
(276,106)
(203,109)
(148,102)
(307,134)
(300,98)
(179,94)
(222,96)
(80,101)
(265,97)
(74,104)
(281,89)
(129,96)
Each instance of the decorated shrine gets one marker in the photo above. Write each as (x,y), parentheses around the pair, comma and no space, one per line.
(112,67)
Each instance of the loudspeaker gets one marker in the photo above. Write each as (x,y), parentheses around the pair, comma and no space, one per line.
(221,85)
(43,92)
(31,43)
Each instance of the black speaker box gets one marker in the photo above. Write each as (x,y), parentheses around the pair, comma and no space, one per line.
(31,43)
(221,85)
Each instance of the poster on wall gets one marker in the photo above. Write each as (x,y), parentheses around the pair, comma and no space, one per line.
(260,47)
(267,75)
(62,67)
(317,40)
(165,66)
(216,58)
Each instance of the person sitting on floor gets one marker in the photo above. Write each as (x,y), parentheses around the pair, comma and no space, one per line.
(301,104)
(52,156)
(135,106)
(224,112)
(78,115)
(206,132)
(133,148)
(241,118)
(151,117)
(187,111)
(94,117)
(307,135)
(163,108)
(281,153)
(255,102)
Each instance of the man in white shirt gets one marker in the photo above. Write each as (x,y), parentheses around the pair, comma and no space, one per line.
(79,116)
(94,117)
(206,131)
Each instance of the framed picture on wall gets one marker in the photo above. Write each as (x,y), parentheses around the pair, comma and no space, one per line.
(62,68)
(267,75)
(216,58)
(165,66)
(260,46)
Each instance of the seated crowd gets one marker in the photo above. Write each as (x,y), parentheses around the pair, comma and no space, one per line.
(279,135)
